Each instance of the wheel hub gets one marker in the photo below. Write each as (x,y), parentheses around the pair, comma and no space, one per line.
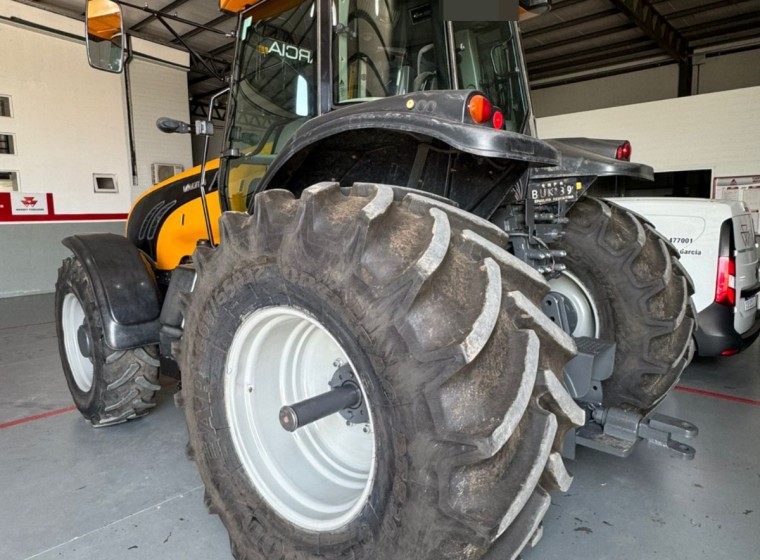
(83,340)
(582,311)
(319,476)
(76,341)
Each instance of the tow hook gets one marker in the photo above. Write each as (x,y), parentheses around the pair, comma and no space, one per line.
(617,431)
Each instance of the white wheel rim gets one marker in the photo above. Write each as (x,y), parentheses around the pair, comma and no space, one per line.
(72,317)
(320,476)
(579,298)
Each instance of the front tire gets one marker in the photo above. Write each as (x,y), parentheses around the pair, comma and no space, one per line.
(456,364)
(108,386)
(625,284)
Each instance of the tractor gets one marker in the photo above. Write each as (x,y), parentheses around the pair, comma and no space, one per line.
(392,308)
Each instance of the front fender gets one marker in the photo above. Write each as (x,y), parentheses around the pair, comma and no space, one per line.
(125,288)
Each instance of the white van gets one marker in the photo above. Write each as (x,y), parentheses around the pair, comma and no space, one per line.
(716,239)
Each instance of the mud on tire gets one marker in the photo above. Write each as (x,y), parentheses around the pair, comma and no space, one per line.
(642,298)
(108,386)
(456,362)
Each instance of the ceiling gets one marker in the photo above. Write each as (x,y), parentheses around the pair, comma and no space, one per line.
(576,40)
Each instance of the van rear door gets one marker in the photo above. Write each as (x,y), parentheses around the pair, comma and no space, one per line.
(747,286)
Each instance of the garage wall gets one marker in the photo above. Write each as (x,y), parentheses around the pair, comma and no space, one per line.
(717,131)
(636,87)
(728,71)
(158,91)
(712,74)
(70,121)
(32,253)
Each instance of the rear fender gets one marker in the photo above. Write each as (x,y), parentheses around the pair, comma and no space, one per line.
(125,288)
(590,157)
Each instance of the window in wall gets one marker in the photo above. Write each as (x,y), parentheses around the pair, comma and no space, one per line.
(5,106)
(7,143)
(105,183)
(8,181)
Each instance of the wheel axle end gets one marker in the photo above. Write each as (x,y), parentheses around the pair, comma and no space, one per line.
(288,419)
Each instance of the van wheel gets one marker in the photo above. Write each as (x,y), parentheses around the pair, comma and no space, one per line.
(454,438)
(625,284)
(108,386)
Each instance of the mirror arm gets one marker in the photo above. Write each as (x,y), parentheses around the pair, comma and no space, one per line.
(211,104)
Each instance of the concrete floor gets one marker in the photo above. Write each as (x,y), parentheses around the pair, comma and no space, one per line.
(69,491)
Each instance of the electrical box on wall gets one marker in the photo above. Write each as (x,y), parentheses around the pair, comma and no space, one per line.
(163,171)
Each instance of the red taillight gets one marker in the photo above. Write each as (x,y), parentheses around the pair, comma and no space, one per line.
(624,151)
(498,120)
(730,352)
(480,109)
(725,284)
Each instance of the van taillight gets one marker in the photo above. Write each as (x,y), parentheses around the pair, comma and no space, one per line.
(725,285)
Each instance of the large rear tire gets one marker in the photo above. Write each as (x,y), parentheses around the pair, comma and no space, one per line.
(457,367)
(108,386)
(625,284)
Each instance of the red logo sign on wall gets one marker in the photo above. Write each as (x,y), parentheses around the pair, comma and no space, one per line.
(23,203)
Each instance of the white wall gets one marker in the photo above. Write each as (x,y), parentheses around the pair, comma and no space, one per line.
(719,73)
(635,87)
(715,73)
(70,121)
(718,131)
(158,91)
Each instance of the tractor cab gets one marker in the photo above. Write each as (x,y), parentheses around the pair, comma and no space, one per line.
(294,64)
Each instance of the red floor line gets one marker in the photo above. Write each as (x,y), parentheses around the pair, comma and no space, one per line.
(681,388)
(713,395)
(47,414)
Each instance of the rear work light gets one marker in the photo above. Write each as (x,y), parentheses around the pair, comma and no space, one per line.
(725,284)
(624,151)
(480,109)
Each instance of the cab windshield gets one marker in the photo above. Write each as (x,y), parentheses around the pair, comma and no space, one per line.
(392,47)
(379,48)
(273,93)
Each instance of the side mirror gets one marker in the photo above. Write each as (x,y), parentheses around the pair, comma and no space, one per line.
(104,35)
(532,8)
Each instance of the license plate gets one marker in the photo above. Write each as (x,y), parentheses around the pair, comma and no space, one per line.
(750,303)
(552,191)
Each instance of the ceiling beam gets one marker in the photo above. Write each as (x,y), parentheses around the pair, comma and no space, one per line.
(721,26)
(719,5)
(570,23)
(655,26)
(171,6)
(625,67)
(213,23)
(594,54)
(581,38)
(596,67)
